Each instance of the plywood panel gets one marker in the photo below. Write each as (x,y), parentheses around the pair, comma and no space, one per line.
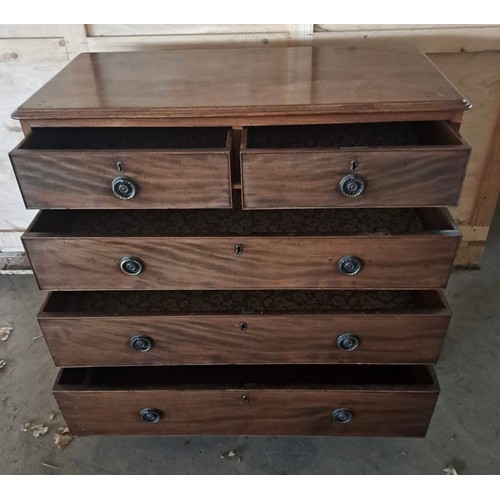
(366,27)
(10,242)
(31,30)
(476,75)
(469,254)
(181,29)
(438,39)
(489,189)
(165,42)
(25,65)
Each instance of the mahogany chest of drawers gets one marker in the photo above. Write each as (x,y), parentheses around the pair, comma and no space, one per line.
(244,241)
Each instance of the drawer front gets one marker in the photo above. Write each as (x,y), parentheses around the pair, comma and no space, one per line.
(267,412)
(162,180)
(313,179)
(352,165)
(214,263)
(245,339)
(306,409)
(245,327)
(140,178)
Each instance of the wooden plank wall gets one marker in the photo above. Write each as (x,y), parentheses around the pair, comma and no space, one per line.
(25,64)
(468,54)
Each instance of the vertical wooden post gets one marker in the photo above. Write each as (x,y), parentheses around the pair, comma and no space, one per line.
(75,38)
(489,188)
(301,34)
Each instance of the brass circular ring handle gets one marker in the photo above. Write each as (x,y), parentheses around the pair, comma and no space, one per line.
(349,265)
(131,265)
(123,187)
(150,415)
(352,185)
(347,342)
(141,343)
(342,415)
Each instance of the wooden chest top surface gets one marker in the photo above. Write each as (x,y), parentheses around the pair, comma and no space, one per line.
(237,82)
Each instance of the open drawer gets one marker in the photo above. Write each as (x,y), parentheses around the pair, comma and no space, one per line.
(124,167)
(243,400)
(238,249)
(352,165)
(244,327)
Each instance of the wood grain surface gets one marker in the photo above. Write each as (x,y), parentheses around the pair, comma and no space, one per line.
(81,178)
(311,179)
(62,263)
(110,30)
(101,338)
(307,177)
(285,409)
(399,248)
(246,120)
(234,82)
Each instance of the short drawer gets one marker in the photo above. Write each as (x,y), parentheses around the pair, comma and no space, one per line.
(124,168)
(237,249)
(243,327)
(353,165)
(239,400)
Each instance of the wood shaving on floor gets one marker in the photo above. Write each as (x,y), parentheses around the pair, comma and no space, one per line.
(450,471)
(5,332)
(228,455)
(49,465)
(63,438)
(38,429)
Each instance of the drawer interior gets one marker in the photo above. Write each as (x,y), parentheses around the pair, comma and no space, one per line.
(96,138)
(355,135)
(259,302)
(237,222)
(247,377)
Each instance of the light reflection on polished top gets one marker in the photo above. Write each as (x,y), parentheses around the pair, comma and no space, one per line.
(231,82)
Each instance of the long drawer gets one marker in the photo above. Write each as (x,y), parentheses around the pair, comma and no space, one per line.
(353,165)
(236,249)
(260,327)
(127,167)
(259,400)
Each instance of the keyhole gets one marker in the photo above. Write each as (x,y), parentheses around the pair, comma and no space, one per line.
(245,399)
(243,326)
(119,167)
(238,249)
(354,165)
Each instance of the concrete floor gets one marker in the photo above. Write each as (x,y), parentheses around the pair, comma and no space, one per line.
(464,432)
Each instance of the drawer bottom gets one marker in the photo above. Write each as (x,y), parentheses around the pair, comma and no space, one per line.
(248,400)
